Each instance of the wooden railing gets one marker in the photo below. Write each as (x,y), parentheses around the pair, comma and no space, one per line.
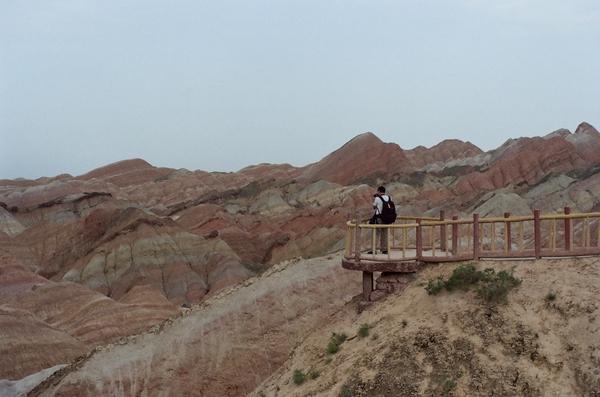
(439,240)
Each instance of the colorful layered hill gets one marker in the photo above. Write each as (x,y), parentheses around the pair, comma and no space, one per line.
(102,255)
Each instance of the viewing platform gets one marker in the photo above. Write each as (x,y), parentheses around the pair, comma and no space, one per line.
(415,241)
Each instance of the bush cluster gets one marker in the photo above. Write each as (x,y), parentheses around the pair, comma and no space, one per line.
(492,286)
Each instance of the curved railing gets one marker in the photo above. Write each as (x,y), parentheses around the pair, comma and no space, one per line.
(430,239)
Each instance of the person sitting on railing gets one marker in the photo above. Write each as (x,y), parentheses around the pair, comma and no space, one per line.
(385,213)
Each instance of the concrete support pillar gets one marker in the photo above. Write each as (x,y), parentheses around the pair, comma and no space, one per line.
(367,285)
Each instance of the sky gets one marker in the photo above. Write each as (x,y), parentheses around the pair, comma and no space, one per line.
(219,85)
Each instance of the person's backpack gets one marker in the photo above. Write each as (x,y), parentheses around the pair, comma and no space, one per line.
(388,211)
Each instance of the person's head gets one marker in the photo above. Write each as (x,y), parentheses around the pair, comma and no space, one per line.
(381,189)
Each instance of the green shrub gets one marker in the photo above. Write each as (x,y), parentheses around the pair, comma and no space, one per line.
(339,338)
(332,347)
(363,330)
(492,286)
(335,341)
(435,286)
(463,277)
(487,275)
(299,377)
(495,288)
(448,386)
(550,296)
(345,392)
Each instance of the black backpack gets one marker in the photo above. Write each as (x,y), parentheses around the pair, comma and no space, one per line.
(388,211)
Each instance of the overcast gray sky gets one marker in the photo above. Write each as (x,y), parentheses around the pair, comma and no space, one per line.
(221,84)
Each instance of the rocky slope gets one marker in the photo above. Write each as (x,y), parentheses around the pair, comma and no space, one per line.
(453,344)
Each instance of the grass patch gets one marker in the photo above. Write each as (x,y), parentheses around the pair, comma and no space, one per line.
(363,330)
(299,377)
(491,286)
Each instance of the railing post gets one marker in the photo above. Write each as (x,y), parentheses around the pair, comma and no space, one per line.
(347,240)
(507,234)
(442,232)
(454,236)
(537,236)
(567,230)
(358,242)
(353,234)
(419,238)
(476,237)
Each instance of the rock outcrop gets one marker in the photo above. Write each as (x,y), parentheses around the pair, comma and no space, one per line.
(8,224)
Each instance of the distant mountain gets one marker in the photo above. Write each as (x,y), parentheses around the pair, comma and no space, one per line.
(366,157)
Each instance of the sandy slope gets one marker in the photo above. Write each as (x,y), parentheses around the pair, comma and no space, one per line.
(453,344)
(226,346)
